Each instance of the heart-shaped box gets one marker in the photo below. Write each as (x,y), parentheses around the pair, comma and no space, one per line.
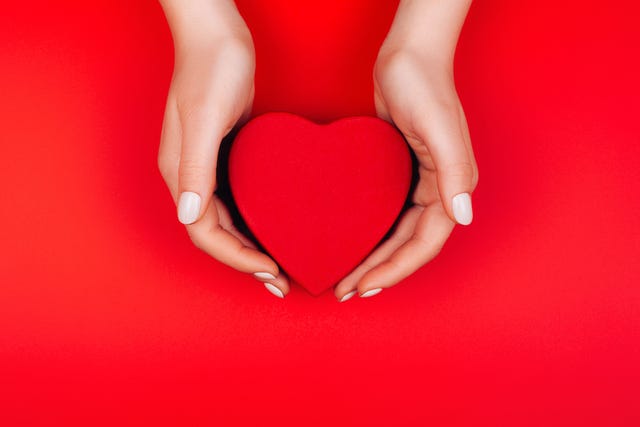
(319,198)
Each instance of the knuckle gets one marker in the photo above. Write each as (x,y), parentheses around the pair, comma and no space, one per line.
(429,248)
(196,239)
(462,170)
(436,248)
(192,170)
(435,251)
(396,263)
(203,116)
(474,180)
(164,165)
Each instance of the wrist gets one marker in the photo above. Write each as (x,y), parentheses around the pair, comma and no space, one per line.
(202,23)
(426,29)
(422,55)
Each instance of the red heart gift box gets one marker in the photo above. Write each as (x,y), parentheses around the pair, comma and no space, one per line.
(319,198)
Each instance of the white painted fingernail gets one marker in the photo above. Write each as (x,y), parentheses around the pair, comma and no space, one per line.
(274,290)
(462,208)
(263,275)
(371,292)
(347,296)
(188,207)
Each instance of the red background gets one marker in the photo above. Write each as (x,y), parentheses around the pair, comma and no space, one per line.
(530,316)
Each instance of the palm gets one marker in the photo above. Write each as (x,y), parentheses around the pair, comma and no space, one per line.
(211,92)
(423,104)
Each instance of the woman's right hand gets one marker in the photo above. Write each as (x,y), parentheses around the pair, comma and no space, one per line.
(211,91)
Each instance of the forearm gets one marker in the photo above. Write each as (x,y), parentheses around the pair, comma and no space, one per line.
(428,27)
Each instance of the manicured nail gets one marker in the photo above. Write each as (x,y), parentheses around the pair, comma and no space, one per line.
(188,207)
(462,208)
(371,292)
(274,290)
(263,275)
(347,296)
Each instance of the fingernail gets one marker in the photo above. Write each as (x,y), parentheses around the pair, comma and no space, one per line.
(188,207)
(371,292)
(347,296)
(274,290)
(262,275)
(462,208)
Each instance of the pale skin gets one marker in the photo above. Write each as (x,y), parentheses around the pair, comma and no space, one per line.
(212,92)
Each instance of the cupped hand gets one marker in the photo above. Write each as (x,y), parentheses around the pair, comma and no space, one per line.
(418,95)
(211,92)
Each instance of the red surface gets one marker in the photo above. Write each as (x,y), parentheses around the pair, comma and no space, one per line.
(319,197)
(530,316)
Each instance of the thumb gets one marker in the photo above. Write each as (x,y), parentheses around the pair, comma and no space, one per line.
(201,138)
(447,141)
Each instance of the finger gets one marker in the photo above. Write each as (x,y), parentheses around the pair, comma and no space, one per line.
(432,230)
(211,237)
(201,137)
(169,150)
(278,286)
(247,260)
(381,107)
(280,282)
(225,220)
(346,288)
(442,132)
(424,194)
(467,140)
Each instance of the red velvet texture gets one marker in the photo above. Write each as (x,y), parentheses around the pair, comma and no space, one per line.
(319,198)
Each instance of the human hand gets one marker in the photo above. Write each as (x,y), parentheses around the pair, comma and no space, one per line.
(211,91)
(414,88)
